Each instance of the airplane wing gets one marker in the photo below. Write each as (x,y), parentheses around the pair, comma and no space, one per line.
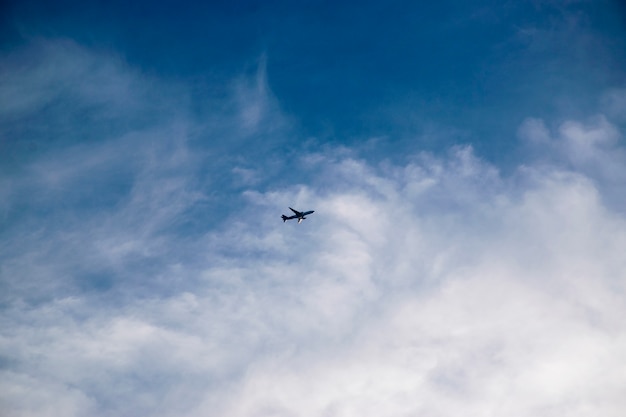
(296,211)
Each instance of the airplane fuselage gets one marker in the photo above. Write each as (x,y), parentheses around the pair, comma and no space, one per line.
(300,215)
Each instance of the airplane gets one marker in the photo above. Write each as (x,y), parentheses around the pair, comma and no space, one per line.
(298,215)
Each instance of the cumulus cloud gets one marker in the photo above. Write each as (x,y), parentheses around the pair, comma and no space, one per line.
(499,301)
(438,286)
(591,147)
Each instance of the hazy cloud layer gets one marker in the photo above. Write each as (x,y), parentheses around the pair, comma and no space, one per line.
(435,286)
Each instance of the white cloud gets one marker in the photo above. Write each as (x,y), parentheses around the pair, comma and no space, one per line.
(434,287)
(592,148)
(515,314)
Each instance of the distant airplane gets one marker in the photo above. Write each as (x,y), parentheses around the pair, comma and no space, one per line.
(298,215)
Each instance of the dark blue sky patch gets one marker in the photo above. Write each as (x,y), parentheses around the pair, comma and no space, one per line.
(344,72)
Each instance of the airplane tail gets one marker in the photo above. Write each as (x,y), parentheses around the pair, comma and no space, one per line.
(284,218)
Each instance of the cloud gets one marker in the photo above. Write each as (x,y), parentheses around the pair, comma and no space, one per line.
(591,147)
(501,302)
(435,286)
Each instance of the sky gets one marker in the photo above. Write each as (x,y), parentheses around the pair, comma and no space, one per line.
(466,162)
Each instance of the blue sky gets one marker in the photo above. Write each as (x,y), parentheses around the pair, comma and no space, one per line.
(466,165)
